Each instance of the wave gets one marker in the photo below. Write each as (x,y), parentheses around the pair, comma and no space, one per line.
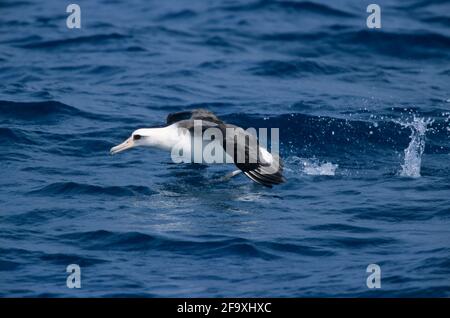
(96,39)
(35,110)
(38,256)
(65,259)
(341,228)
(39,216)
(182,14)
(39,111)
(11,4)
(220,42)
(14,136)
(27,38)
(294,68)
(8,265)
(441,20)
(358,242)
(416,45)
(209,246)
(343,135)
(423,4)
(105,69)
(400,45)
(300,7)
(83,147)
(74,188)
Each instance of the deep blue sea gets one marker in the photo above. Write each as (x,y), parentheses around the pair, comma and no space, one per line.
(364,119)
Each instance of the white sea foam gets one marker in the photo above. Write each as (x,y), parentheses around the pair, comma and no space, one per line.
(317,169)
(314,167)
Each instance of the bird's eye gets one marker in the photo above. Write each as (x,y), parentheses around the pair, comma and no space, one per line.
(136,137)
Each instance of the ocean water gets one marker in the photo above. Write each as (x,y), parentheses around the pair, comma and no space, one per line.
(364,118)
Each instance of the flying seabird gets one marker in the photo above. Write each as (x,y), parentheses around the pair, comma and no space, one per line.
(241,148)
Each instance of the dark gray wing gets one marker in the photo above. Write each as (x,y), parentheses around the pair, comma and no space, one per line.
(244,148)
(189,124)
(196,114)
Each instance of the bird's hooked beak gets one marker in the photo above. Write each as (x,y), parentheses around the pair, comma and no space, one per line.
(127,144)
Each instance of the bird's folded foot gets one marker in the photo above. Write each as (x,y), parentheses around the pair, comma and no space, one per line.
(230,175)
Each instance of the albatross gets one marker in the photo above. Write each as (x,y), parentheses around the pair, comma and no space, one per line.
(240,148)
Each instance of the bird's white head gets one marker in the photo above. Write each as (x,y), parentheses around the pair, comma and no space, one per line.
(140,137)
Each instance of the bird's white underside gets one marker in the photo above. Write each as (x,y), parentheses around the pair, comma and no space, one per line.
(166,138)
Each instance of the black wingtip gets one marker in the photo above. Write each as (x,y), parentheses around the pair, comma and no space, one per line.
(267,180)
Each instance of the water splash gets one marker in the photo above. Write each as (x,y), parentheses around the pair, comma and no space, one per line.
(314,167)
(447,120)
(413,153)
